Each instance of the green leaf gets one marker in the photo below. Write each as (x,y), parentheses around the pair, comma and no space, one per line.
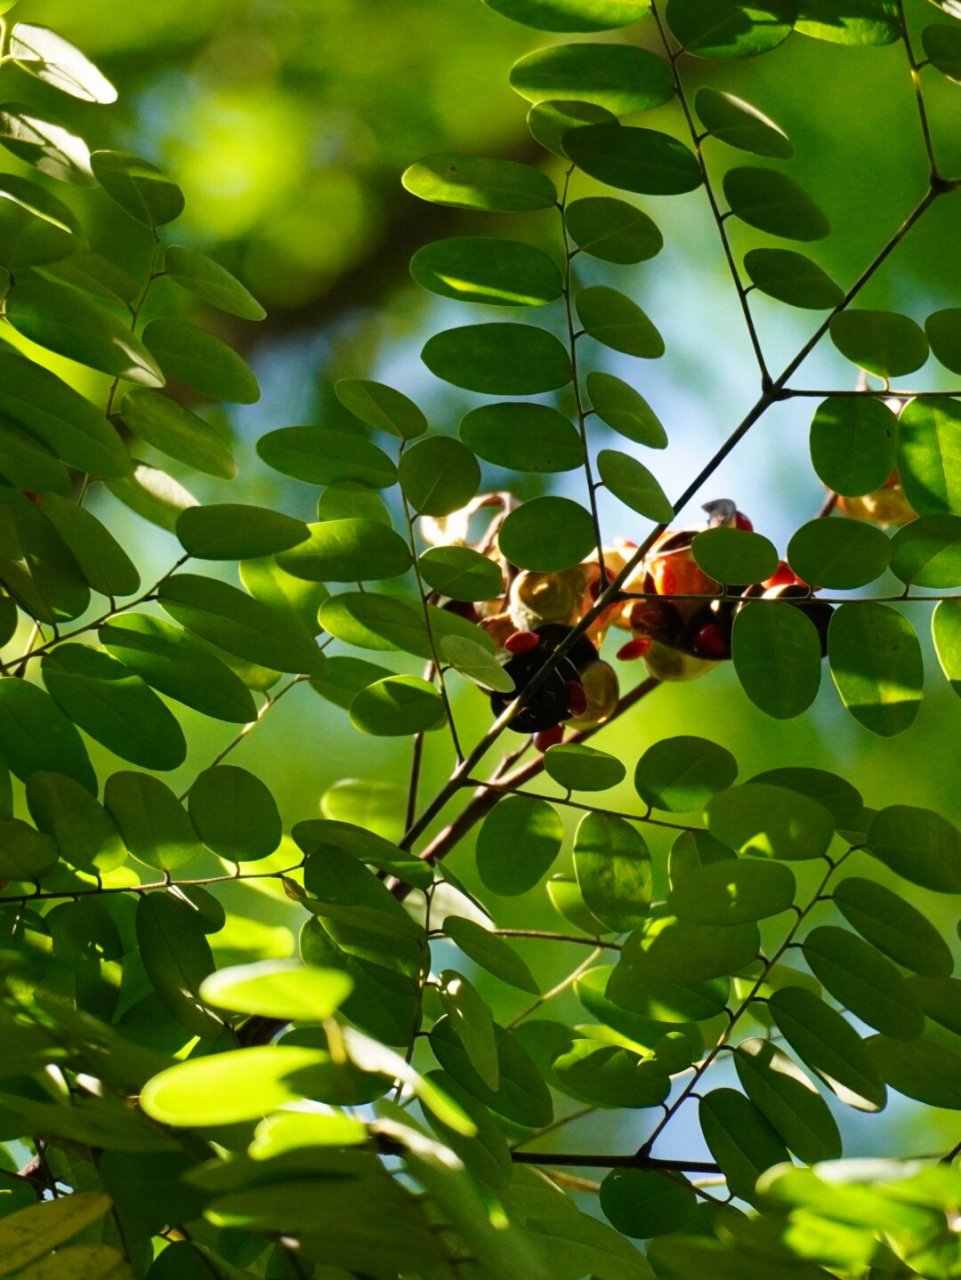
(854,443)
(114,706)
(37,228)
(231,1087)
(236,531)
(740,1139)
(318,456)
(366,846)
(927,552)
(37,736)
(140,188)
(63,320)
(153,494)
(487,1154)
(277,989)
(191,355)
(773,202)
(521,1095)
(863,981)
(735,556)
(613,868)
(777,656)
(942,45)
(788,1100)
(471,1023)
(612,230)
(730,28)
(893,926)
(502,273)
(382,407)
(25,853)
(829,1046)
(681,774)
(517,844)
(59,417)
(550,122)
(571,15)
(347,551)
(580,768)
(498,359)
(178,433)
(461,573)
(849,22)
(918,845)
(227,617)
(635,486)
(882,342)
(234,813)
(81,1262)
(372,621)
(177,958)
(642,1204)
(152,821)
(946,630)
(26,464)
(876,665)
(792,278)
(733,892)
(102,560)
(476,663)
(286,1131)
(626,410)
(615,320)
(547,534)
(740,124)
(95,274)
(919,1069)
(177,665)
(929,455)
(342,678)
(45,54)
(524,437)
(622,78)
(491,953)
(944,327)
(938,999)
(30,1233)
(37,568)
(348,500)
(838,553)
(641,160)
(611,1076)
(439,475)
(770,822)
(85,833)
(397,706)
(567,901)
(42,141)
(475,182)
(212,283)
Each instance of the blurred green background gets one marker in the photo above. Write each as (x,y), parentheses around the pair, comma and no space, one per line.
(288,123)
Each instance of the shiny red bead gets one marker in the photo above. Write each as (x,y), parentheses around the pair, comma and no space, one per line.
(634,649)
(709,642)
(576,698)
(522,642)
(549,737)
(742,522)
(783,576)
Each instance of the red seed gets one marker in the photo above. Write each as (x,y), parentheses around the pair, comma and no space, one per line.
(783,576)
(668,583)
(522,642)
(742,522)
(576,698)
(549,737)
(635,648)
(709,641)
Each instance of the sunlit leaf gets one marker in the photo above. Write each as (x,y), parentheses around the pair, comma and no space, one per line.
(438,475)
(731,28)
(102,560)
(48,56)
(777,656)
(234,813)
(43,141)
(498,359)
(237,531)
(862,980)
(571,15)
(580,768)
(631,159)
(927,552)
(503,273)
(740,1139)
(882,342)
(212,283)
(770,822)
(733,892)
(461,573)
(681,774)
(829,1046)
(85,833)
(152,821)
(201,360)
(741,125)
(550,121)
(929,455)
(491,953)
(178,433)
(735,556)
(474,182)
(517,844)
(277,989)
(849,22)
(397,706)
(787,1099)
(29,1233)
(373,621)
(140,188)
(619,77)
(876,665)
(854,443)
(613,868)
(522,436)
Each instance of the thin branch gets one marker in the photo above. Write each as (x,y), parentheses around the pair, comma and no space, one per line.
(923,121)
(546,936)
(591,808)
(559,989)
(591,1161)
(49,895)
(719,217)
